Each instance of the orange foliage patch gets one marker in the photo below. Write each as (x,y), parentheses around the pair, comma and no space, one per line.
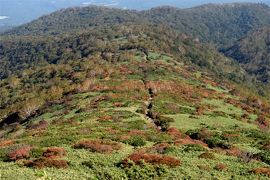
(105,118)
(98,146)
(47,162)
(264,171)
(20,153)
(118,104)
(174,132)
(54,152)
(6,143)
(160,148)
(234,152)
(221,167)
(136,133)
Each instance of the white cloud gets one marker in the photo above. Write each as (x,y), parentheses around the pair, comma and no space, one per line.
(3,17)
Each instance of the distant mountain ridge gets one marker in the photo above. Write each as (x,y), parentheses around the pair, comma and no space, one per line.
(218,24)
(21,12)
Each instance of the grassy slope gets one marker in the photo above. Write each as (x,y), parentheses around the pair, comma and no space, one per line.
(179,92)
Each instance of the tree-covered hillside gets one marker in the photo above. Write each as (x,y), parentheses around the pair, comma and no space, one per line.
(219,24)
(253,53)
(19,53)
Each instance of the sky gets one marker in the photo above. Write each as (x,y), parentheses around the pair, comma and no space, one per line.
(16,12)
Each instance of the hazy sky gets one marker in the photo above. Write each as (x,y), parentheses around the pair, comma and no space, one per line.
(15,12)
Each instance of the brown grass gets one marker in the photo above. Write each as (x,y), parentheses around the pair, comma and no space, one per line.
(174,132)
(262,171)
(161,148)
(262,121)
(221,167)
(5,143)
(54,152)
(47,162)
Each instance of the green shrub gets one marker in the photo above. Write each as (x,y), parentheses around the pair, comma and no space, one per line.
(217,142)
(136,141)
(213,140)
(257,134)
(36,152)
(145,171)
(138,124)
(193,147)
(163,122)
(264,156)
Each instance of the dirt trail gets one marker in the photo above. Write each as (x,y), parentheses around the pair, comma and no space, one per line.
(149,111)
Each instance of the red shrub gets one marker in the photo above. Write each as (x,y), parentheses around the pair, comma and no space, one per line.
(174,132)
(234,152)
(262,121)
(160,148)
(54,152)
(266,146)
(154,159)
(98,146)
(136,133)
(45,162)
(264,171)
(221,167)
(118,104)
(20,153)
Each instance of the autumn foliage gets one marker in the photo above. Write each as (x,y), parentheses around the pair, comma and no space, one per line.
(264,171)
(5,143)
(54,152)
(47,162)
(20,153)
(221,167)
(99,146)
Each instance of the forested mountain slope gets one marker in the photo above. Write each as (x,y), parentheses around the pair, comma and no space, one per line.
(19,53)
(219,24)
(253,53)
